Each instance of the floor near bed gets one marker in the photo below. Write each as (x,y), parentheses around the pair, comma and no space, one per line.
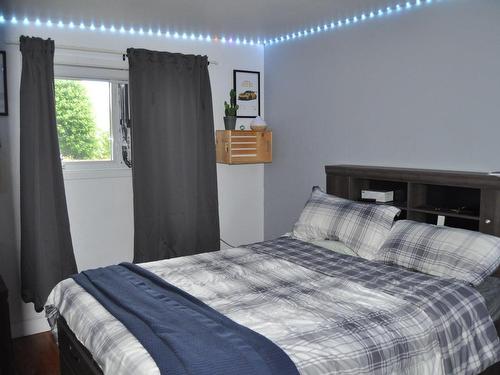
(37,355)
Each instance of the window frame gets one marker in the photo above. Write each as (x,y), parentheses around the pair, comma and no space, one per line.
(117,161)
(67,67)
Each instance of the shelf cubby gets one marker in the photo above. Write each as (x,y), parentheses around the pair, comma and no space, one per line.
(468,200)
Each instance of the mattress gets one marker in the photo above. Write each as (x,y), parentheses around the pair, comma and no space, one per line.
(490,290)
(331,313)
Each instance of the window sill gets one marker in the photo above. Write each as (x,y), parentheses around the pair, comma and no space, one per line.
(96,174)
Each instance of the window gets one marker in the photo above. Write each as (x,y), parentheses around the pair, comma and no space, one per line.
(92,123)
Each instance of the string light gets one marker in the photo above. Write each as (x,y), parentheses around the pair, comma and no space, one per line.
(367,15)
(333,25)
(132,31)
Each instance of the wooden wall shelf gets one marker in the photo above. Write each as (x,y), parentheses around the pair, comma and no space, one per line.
(244,147)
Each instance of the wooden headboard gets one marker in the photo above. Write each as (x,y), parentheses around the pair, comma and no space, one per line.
(468,200)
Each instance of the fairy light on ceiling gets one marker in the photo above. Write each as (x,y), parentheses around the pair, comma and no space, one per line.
(337,24)
(331,26)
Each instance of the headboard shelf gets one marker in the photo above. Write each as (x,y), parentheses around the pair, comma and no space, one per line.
(468,200)
(427,176)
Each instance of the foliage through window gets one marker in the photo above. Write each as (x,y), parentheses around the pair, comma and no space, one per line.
(93,123)
(83,112)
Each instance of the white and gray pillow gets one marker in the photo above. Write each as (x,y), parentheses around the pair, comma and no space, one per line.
(362,227)
(441,251)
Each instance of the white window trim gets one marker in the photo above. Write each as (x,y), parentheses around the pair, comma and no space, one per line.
(96,174)
(98,168)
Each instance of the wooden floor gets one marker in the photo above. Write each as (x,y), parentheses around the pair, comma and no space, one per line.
(37,355)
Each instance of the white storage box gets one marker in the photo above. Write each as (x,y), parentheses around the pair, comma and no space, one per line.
(378,196)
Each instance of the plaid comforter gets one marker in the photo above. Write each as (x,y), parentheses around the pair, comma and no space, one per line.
(331,313)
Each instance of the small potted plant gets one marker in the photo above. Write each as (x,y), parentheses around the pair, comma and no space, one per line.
(230,111)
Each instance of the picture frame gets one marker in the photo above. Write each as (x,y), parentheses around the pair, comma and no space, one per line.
(4,105)
(246,83)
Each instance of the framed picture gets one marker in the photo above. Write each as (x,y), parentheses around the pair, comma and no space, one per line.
(4,108)
(247,86)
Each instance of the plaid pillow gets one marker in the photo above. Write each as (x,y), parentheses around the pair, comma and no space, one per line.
(441,251)
(362,227)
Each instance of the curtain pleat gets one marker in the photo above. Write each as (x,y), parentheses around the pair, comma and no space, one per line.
(46,247)
(173,152)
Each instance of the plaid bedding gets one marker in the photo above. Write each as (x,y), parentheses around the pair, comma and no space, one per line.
(363,227)
(331,313)
(442,251)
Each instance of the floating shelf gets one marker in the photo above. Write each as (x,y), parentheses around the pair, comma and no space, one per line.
(244,147)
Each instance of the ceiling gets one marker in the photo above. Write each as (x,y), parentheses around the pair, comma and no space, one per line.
(248,18)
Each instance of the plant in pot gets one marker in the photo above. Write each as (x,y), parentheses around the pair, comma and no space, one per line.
(230,111)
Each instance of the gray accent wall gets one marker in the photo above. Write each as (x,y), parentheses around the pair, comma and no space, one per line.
(420,89)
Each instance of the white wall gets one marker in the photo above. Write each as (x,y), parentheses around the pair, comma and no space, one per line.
(417,89)
(100,205)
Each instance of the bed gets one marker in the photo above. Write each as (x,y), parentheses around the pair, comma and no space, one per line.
(329,310)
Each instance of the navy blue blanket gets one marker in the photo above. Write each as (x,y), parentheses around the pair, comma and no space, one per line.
(182,334)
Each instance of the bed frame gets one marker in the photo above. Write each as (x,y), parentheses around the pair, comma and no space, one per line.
(466,199)
(74,358)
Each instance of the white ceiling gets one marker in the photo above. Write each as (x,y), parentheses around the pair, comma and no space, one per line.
(250,18)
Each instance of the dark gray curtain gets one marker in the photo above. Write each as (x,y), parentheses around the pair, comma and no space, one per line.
(46,248)
(173,155)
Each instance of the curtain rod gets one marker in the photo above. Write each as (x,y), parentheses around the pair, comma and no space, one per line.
(125,56)
(95,50)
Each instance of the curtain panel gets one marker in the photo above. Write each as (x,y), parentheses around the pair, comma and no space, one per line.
(173,152)
(46,247)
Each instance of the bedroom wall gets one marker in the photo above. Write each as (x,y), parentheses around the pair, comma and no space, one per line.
(100,203)
(420,89)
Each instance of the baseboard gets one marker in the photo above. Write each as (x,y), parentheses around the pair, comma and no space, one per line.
(29,327)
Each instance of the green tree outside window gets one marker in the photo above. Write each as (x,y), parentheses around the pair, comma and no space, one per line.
(79,137)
